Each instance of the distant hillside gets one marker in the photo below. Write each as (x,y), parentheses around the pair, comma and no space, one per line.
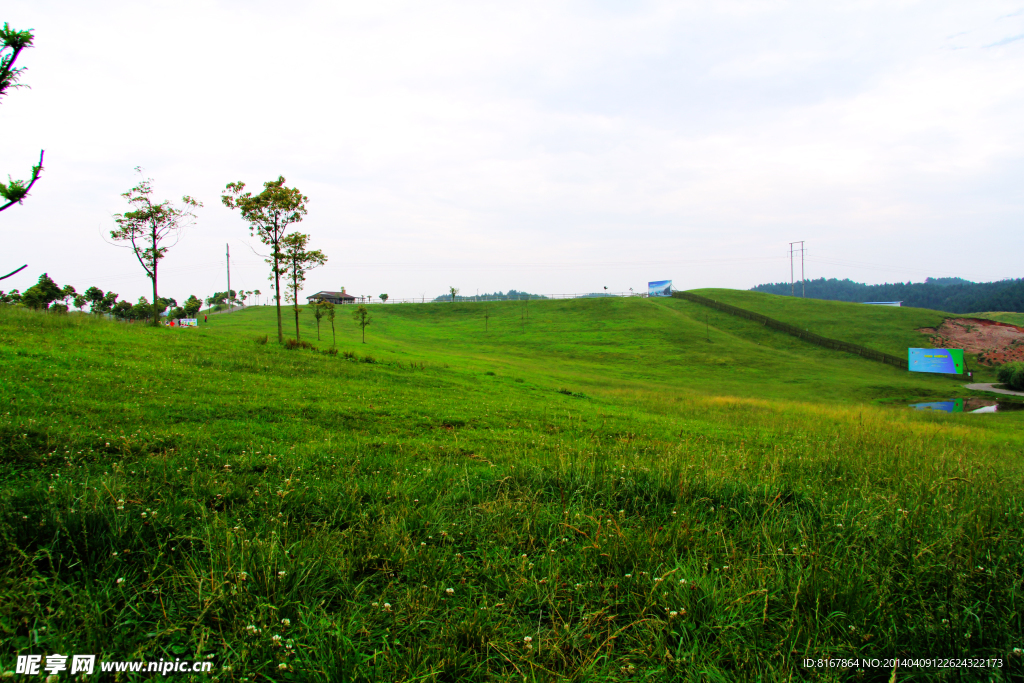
(941,294)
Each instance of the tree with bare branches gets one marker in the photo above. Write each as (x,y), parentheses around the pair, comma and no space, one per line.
(12,43)
(148,228)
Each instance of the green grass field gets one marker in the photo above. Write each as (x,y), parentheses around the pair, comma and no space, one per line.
(595,492)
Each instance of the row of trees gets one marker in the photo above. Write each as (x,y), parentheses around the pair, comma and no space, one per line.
(942,294)
(151,228)
(48,295)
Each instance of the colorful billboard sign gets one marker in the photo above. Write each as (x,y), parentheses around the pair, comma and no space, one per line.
(659,288)
(188,322)
(947,361)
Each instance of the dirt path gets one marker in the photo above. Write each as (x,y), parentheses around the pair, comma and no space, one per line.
(991,387)
(994,342)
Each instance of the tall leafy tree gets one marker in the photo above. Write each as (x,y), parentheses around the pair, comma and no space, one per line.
(269,214)
(42,293)
(298,261)
(100,302)
(148,228)
(93,295)
(12,43)
(192,306)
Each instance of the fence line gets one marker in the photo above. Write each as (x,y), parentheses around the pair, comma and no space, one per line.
(835,344)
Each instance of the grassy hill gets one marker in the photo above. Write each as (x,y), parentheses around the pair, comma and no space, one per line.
(886,328)
(595,492)
(614,344)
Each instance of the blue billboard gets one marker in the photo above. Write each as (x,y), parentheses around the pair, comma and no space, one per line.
(947,361)
(659,288)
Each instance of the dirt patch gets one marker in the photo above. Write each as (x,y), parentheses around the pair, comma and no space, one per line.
(994,342)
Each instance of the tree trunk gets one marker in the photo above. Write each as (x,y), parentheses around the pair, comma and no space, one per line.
(332,335)
(156,303)
(295,297)
(277,297)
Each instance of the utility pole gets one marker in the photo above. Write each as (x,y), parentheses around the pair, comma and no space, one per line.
(792,287)
(227,257)
(792,281)
(803,280)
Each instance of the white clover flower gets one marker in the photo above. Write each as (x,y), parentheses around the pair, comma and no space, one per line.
(282,666)
(276,638)
(120,581)
(387,606)
(281,574)
(449,591)
(286,621)
(629,576)
(673,614)
(527,639)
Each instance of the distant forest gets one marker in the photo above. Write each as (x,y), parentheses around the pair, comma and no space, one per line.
(496,296)
(951,294)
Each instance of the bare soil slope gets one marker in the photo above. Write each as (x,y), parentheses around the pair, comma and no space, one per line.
(994,342)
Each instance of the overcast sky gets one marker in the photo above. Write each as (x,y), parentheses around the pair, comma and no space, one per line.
(553,147)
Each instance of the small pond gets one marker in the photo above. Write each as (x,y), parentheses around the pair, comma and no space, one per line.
(969,405)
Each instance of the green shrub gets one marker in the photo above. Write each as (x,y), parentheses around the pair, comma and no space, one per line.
(1012,375)
(292,344)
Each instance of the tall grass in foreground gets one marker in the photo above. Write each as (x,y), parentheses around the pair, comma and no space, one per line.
(391,524)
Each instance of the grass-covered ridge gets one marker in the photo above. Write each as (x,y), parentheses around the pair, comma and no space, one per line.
(891,329)
(663,517)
